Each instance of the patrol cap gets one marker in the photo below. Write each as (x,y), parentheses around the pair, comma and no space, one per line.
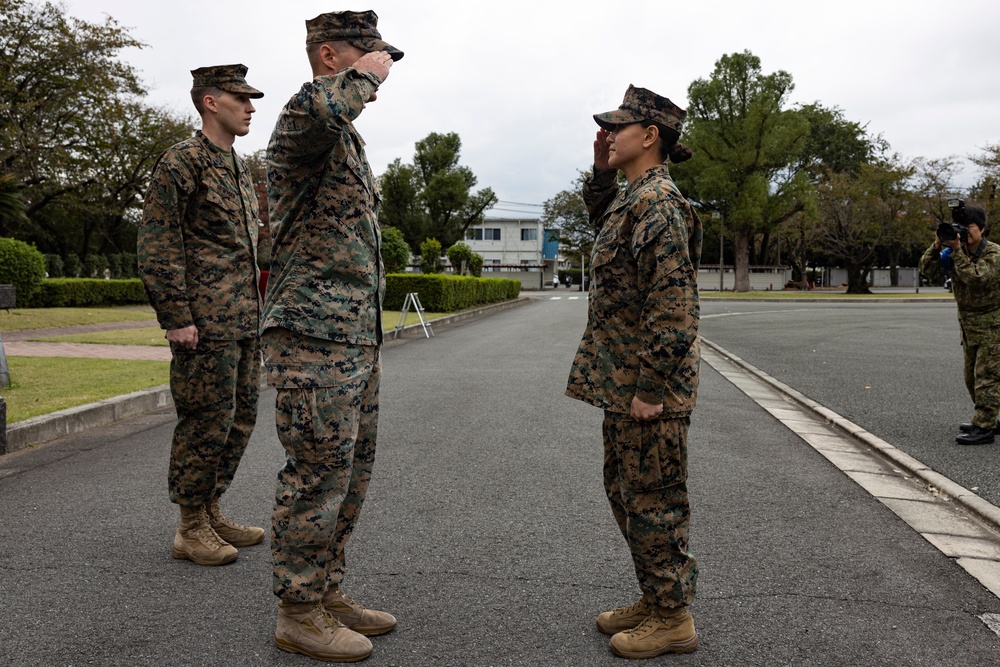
(230,78)
(356,28)
(641,104)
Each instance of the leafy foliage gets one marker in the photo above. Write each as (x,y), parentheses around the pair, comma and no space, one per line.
(430,256)
(433,197)
(395,252)
(461,256)
(75,133)
(22,266)
(446,294)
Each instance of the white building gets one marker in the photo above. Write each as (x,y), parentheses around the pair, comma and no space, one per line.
(516,246)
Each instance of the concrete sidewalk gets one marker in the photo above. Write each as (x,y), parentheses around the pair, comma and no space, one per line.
(487,533)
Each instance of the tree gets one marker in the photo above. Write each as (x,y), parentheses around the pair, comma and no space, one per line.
(430,256)
(747,150)
(834,145)
(985,190)
(74,129)
(859,213)
(395,252)
(433,198)
(568,212)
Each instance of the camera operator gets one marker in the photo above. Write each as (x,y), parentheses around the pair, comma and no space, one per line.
(975,274)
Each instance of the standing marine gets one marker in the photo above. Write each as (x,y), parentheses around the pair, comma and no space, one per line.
(638,361)
(322,335)
(197,254)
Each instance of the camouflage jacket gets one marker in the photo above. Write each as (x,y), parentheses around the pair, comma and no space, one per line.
(642,330)
(975,281)
(197,243)
(326,279)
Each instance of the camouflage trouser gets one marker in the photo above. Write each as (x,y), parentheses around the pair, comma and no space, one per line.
(215,388)
(329,436)
(982,379)
(645,477)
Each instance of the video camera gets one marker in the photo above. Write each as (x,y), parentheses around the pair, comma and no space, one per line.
(958,228)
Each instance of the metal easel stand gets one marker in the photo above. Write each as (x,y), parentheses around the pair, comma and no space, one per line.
(412,298)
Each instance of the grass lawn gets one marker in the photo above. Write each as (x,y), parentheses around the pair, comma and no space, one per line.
(40,318)
(153,336)
(40,385)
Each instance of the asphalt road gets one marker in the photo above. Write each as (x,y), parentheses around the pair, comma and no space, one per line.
(486,530)
(894,369)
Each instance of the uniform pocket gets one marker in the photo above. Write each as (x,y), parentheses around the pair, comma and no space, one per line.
(653,454)
(196,381)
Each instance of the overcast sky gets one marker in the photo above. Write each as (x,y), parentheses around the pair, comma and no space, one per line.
(519,81)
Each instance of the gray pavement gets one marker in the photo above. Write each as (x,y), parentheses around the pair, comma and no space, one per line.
(486,529)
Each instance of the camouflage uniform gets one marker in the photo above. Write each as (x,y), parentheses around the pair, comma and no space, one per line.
(642,341)
(197,253)
(322,320)
(976,285)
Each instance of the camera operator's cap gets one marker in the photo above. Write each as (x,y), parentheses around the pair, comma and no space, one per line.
(641,104)
(230,78)
(356,28)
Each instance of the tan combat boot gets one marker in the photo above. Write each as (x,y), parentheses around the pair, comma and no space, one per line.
(663,631)
(622,618)
(197,542)
(352,614)
(307,628)
(229,530)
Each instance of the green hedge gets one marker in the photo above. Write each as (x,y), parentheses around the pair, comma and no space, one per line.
(440,293)
(74,292)
(22,266)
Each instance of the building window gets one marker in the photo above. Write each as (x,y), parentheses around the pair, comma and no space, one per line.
(529,234)
(474,235)
(491,234)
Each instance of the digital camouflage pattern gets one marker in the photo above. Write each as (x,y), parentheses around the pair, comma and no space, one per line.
(650,505)
(326,278)
(642,104)
(975,283)
(197,243)
(215,389)
(197,254)
(359,29)
(230,78)
(322,328)
(642,329)
(642,341)
(329,434)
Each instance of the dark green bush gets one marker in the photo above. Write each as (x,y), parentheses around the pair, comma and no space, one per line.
(73,266)
(76,292)
(444,293)
(54,266)
(430,256)
(395,252)
(22,266)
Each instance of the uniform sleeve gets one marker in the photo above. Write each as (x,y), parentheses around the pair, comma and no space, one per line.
(930,263)
(670,313)
(322,109)
(980,275)
(160,244)
(598,193)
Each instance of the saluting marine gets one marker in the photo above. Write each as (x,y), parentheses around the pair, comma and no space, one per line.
(638,361)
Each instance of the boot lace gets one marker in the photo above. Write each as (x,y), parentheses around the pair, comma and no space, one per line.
(635,608)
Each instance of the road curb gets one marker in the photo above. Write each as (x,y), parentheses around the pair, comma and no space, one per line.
(945,486)
(42,429)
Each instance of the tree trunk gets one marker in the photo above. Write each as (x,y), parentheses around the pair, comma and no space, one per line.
(857,280)
(741,267)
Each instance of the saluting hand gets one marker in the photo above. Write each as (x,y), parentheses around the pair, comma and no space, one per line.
(376,62)
(601,152)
